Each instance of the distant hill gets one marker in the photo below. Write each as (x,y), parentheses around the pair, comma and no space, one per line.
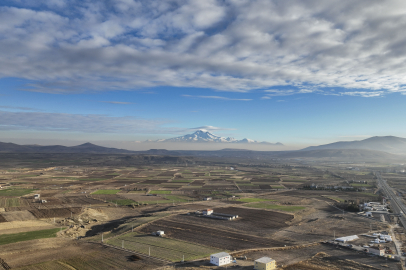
(342,154)
(389,144)
(88,148)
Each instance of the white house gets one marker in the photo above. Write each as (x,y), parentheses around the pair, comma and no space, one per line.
(220,259)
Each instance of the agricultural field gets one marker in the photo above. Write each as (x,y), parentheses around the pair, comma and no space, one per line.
(116,199)
(26,236)
(161,247)
(209,236)
(285,208)
(106,191)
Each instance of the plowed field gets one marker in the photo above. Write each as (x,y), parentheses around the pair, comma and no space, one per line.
(250,220)
(209,236)
(55,212)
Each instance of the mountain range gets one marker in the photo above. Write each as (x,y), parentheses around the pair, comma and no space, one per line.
(205,136)
(390,144)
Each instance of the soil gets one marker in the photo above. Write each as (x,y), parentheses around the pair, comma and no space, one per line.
(18,215)
(209,235)
(55,212)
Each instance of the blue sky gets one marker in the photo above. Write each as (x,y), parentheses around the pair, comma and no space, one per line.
(116,72)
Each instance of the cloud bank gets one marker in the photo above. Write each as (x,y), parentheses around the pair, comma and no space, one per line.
(65,46)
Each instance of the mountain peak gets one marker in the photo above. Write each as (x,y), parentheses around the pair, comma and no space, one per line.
(203,135)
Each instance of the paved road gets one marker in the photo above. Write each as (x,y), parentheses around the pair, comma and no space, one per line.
(397,205)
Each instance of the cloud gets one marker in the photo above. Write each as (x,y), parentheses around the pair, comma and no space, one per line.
(212,128)
(218,97)
(19,108)
(118,102)
(89,123)
(64,46)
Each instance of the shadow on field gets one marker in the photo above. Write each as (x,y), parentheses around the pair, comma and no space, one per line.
(111,226)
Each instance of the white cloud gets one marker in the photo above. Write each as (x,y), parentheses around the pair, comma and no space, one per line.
(118,102)
(218,97)
(212,128)
(90,123)
(76,46)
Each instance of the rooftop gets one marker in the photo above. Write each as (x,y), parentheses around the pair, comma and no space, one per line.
(265,260)
(220,254)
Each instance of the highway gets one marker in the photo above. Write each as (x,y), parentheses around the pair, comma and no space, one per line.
(397,206)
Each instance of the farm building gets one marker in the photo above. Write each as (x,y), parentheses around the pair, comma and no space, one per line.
(347,238)
(207,212)
(220,259)
(265,263)
(37,196)
(208,198)
(377,251)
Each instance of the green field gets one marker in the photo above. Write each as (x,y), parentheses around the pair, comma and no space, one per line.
(15,192)
(155,202)
(336,199)
(276,207)
(169,249)
(251,200)
(106,191)
(25,236)
(160,192)
(277,187)
(9,202)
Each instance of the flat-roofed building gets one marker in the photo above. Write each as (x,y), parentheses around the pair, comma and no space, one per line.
(220,259)
(265,263)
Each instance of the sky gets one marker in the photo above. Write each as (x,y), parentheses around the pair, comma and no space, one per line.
(117,73)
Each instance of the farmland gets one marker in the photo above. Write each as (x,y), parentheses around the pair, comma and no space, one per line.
(106,191)
(116,199)
(25,236)
(168,249)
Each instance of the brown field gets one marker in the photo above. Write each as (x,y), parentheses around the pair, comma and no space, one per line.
(18,215)
(55,212)
(205,234)
(2,219)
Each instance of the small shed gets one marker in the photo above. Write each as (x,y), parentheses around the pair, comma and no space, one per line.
(220,259)
(37,196)
(208,198)
(265,263)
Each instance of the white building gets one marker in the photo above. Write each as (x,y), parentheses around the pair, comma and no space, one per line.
(347,238)
(220,259)
(208,198)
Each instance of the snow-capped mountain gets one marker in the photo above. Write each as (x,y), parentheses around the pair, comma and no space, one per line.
(202,135)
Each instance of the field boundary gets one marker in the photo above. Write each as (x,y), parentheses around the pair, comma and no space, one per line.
(134,252)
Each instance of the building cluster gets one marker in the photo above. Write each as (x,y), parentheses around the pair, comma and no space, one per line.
(332,187)
(223,258)
(373,206)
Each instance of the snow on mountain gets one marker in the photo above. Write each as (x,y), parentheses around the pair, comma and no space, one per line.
(202,135)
